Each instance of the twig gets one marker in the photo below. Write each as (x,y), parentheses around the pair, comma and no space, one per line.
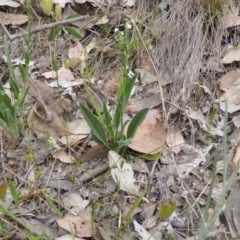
(48,26)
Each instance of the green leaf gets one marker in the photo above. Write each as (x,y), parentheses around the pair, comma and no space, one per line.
(1,87)
(125,142)
(73,32)
(73,16)
(150,157)
(15,193)
(54,63)
(24,95)
(9,62)
(54,32)
(166,209)
(108,120)
(14,87)
(117,115)
(27,58)
(135,122)
(6,212)
(129,86)
(23,73)
(52,205)
(96,139)
(3,190)
(4,125)
(94,124)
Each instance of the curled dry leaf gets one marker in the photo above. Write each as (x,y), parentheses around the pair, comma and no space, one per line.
(44,119)
(78,226)
(205,88)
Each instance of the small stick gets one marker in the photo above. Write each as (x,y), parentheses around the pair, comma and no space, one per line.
(48,26)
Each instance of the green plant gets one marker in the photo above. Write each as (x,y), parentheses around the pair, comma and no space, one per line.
(110,130)
(12,111)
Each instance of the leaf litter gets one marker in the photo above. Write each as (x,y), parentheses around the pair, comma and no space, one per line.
(83,178)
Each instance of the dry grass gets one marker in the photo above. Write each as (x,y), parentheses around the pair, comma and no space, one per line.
(188,35)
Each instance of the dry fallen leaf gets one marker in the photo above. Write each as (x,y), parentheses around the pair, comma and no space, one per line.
(150,102)
(232,95)
(145,235)
(98,151)
(175,139)
(79,54)
(63,156)
(45,120)
(74,202)
(149,138)
(78,130)
(232,210)
(68,237)
(231,20)
(9,3)
(78,226)
(232,78)
(231,107)
(122,173)
(232,55)
(62,3)
(62,73)
(128,3)
(15,19)
(205,88)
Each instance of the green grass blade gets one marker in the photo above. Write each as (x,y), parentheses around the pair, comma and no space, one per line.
(94,124)
(108,120)
(54,32)
(15,193)
(52,205)
(117,115)
(73,32)
(6,212)
(129,86)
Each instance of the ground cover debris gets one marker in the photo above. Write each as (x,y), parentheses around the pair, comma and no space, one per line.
(119,119)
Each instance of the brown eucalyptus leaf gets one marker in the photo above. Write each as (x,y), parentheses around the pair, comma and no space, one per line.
(148,139)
